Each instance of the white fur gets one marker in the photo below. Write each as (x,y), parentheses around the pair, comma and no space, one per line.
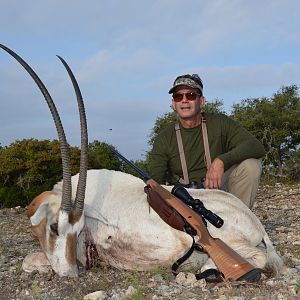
(129,234)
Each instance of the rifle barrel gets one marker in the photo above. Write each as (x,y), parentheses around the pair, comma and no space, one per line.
(142,173)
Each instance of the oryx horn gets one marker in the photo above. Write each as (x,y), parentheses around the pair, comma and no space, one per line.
(66,203)
(80,193)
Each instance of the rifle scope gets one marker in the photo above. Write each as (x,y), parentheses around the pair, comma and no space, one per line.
(180,192)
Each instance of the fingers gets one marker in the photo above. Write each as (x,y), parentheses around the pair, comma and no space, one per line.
(214,175)
(213,181)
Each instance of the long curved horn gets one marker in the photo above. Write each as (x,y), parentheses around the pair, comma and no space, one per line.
(66,203)
(80,193)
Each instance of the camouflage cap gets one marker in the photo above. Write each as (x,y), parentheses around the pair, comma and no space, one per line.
(193,81)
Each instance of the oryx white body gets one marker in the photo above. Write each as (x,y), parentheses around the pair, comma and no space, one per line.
(129,234)
(113,214)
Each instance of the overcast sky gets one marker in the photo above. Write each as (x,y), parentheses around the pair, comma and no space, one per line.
(126,54)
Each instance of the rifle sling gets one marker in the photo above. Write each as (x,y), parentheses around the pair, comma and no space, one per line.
(182,259)
(167,213)
(210,275)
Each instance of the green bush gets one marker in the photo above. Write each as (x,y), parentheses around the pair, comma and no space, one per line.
(28,167)
(11,197)
(292,167)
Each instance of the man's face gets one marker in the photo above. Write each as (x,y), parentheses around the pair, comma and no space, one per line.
(187,109)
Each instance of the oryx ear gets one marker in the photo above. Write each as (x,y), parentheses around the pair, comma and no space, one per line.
(40,214)
(36,202)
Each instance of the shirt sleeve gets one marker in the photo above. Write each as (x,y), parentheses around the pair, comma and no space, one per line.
(158,161)
(239,143)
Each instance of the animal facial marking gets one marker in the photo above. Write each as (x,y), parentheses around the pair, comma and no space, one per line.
(71,248)
(39,230)
(74,216)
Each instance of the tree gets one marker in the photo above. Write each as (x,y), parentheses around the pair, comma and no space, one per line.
(161,123)
(215,106)
(28,167)
(101,157)
(142,164)
(275,122)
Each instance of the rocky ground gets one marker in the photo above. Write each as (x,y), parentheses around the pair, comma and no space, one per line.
(277,207)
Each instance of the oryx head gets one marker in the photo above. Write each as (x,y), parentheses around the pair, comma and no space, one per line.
(57,230)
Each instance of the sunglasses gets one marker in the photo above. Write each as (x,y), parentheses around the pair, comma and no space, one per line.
(177,97)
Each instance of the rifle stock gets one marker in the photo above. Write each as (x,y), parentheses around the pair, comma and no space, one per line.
(230,263)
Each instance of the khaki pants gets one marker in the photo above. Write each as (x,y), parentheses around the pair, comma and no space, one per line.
(242,180)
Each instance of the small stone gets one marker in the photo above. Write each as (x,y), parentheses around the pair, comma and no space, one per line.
(270,282)
(36,262)
(151,284)
(99,295)
(158,278)
(185,279)
(201,284)
(130,291)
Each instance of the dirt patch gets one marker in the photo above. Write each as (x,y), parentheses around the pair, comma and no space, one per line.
(277,207)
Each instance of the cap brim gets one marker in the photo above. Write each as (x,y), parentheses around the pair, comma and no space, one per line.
(187,85)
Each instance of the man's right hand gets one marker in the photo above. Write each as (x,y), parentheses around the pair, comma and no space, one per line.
(214,174)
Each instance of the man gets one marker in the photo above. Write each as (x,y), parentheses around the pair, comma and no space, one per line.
(230,159)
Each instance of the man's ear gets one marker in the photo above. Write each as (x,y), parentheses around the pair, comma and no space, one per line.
(173,106)
(202,100)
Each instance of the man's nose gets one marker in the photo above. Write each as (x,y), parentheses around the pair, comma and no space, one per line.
(184,98)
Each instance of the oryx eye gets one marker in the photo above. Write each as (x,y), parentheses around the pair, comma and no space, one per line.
(54,228)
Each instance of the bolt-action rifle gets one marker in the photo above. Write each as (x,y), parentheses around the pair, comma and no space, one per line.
(229,263)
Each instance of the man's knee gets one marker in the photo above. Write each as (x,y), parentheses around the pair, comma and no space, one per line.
(244,179)
(250,168)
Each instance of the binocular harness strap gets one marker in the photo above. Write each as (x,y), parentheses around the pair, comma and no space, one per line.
(207,157)
(185,179)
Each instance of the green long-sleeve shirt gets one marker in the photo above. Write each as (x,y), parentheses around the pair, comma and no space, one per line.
(228,141)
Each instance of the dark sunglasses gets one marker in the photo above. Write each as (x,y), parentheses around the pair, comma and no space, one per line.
(177,97)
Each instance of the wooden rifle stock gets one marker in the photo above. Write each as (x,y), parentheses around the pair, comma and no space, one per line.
(230,263)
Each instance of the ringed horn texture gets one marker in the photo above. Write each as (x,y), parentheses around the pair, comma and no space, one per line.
(66,203)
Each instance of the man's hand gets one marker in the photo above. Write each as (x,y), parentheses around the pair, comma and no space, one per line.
(214,175)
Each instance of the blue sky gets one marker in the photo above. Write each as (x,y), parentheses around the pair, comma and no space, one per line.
(126,55)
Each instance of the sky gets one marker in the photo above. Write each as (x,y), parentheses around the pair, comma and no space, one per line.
(126,54)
